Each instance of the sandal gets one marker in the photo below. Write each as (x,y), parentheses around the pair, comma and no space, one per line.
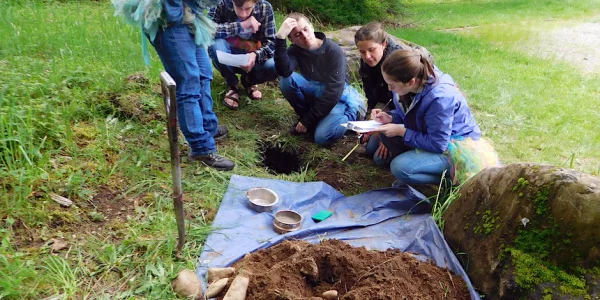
(250,89)
(233,90)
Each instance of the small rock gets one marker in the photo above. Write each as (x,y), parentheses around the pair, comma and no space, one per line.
(187,284)
(308,267)
(330,295)
(61,200)
(214,274)
(57,245)
(216,287)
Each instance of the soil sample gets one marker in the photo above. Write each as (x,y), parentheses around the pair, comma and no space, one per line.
(300,270)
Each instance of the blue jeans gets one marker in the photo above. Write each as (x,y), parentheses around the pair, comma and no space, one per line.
(189,65)
(260,73)
(372,146)
(412,166)
(302,94)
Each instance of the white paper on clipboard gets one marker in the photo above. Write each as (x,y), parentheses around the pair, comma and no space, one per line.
(233,60)
(362,126)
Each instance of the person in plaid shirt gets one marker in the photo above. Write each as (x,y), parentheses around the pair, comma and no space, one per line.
(244,26)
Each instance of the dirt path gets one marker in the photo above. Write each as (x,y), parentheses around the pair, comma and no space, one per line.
(569,41)
(578,45)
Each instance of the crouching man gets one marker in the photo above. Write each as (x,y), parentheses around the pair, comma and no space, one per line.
(319,93)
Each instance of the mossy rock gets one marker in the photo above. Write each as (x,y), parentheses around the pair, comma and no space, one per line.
(527,228)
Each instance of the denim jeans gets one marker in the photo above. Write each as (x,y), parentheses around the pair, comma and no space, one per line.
(189,65)
(412,166)
(372,146)
(302,94)
(260,73)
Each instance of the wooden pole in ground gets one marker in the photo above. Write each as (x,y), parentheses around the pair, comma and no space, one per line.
(168,87)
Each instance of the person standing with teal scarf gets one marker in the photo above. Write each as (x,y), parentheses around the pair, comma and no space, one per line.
(180,34)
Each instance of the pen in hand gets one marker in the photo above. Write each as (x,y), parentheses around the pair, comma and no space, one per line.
(384,107)
(387,104)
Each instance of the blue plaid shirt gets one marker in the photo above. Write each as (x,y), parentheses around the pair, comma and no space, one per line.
(228,25)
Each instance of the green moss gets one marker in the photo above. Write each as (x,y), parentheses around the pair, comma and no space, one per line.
(537,241)
(521,183)
(59,217)
(536,245)
(489,222)
(96,216)
(541,200)
(531,271)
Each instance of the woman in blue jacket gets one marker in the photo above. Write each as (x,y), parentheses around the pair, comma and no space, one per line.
(432,129)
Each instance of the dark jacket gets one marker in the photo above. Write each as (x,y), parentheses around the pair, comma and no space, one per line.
(438,112)
(326,65)
(374,86)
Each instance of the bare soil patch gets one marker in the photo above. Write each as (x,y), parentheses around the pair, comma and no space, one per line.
(578,45)
(300,270)
(357,173)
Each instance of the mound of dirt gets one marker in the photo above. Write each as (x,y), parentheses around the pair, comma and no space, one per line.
(300,270)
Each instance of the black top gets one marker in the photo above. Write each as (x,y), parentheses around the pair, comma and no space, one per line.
(326,65)
(374,86)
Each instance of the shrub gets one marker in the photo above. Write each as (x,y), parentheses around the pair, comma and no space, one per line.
(345,12)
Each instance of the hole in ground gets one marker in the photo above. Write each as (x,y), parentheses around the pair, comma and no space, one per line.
(278,159)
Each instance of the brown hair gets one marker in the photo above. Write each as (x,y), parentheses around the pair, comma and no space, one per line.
(297,16)
(371,32)
(403,65)
(240,3)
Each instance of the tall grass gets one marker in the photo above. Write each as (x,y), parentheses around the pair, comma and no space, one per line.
(65,129)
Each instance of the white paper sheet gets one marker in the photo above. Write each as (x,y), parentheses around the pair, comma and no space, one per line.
(233,60)
(363,126)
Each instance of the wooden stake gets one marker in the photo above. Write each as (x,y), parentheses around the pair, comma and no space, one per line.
(168,87)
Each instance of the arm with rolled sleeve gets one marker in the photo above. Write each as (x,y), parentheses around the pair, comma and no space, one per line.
(334,88)
(224,29)
(267,35)
(438,121)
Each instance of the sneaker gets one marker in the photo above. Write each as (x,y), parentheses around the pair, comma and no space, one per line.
(222,132)
(213,160)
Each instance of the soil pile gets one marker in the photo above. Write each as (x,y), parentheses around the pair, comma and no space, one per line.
(300,270)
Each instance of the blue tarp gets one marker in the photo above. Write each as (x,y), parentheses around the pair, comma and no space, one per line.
(395,218)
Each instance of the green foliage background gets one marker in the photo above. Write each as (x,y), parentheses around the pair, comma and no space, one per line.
(344,12)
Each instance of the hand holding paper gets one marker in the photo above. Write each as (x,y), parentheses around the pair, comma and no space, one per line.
(391,130)
(233,60)
(251,62)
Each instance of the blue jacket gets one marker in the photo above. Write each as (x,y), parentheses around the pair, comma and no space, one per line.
(438,112)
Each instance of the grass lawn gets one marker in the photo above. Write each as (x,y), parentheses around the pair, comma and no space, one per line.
(81,116)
